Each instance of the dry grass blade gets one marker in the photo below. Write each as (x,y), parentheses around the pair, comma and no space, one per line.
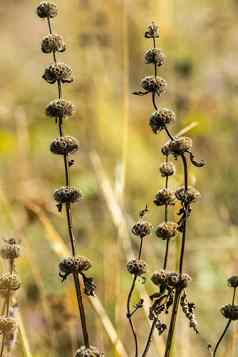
(25,343)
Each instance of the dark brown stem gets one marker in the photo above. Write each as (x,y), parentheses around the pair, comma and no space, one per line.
(181,260)
(129,317)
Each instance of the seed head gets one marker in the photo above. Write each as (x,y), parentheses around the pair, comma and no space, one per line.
(141,229)
(189,196)
(230,312)
(71,265)
(164,197)
(167,230)
(152,84)
(136,267)
(233,281)
(52,43)
(156,56)
(88,352)
(152,31)
(7,325)
(161,118)
(59,108)
(64,145)
(175,280)
(67,194)
(9,282)
(46,9)
(58,72)
(159,277)
(178,146)
(10,249)
(167,169)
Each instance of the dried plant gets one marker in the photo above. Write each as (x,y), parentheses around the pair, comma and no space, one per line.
(60,109)
(9,284)
(171,286)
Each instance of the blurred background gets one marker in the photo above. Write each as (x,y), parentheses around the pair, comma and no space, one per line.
(117,166)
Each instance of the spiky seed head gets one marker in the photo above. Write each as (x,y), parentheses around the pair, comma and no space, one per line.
(46,9)
(58,72)
(152,84)
(9,282)
(52,43)
(230,312)
(177,146)
(59,108)
(233,281)
(67,194)
(70,265)
(152,31)
(10,249)
(166,230)
(156,56)
(164,197)
(141,229)
(160,119)
(136,267)
(64,145)
(176,280)
(167,169)
(7,325)
(190,195)
(82,264)
(159,277)
(89,352)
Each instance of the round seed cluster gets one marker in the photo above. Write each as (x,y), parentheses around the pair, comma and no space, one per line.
(156,56)
(142,229)
(178,146)
(152,84)
(136,267)
(58,72)
(166,230)
(189,196)
(164,197)
(230,312)
(52,43)
(159,277)
(167,169)
(88,352)
(7,325)
(176,280)
(233,281)
(152,31)
(59,108)
(71,265)
(46,9)
(64,145)
(10,249)
(9,282)
(67,195)
(160,118)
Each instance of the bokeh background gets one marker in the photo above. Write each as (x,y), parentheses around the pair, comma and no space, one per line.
(117,166)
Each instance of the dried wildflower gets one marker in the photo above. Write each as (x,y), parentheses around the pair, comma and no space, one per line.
(233,281)
(52,43)
(10,249)
(164,197)
(46,9)
(70,265)
(136,267)
(230,312)
(7,325)
(9,282)
(161,118)
(177,146)
(58,72)
(67,195)
(188,310)
(167,169)
(167,230)
(64,145)
(152,84)
(59,108)
(176,280)
(88,352)
(159,277)
(141,229)
(187,196)
(156,56)
(152,31)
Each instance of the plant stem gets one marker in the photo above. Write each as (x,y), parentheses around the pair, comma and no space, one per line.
(129,314)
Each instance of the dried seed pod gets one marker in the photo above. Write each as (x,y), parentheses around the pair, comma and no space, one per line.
(167,230)
(58,72)
(46,9)
(161,118)
(10,249)
(176,280)
(136,267)
(167,169)
(52,43)
(159,277)
(230,312)
(156,56)
(59,108)
(164,197)
(233,281)
(152,31)
(177,146)
(89,352)
(9,282)
(141,229)
(67,194)
(7,325)
(152,84)
(64,145)
(71,265)
(189,196)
